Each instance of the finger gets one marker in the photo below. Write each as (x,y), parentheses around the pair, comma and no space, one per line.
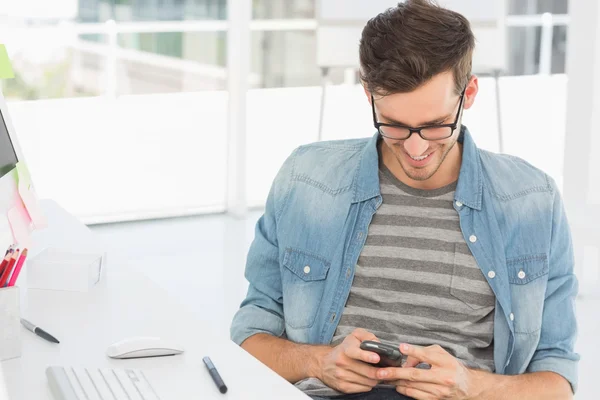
(355,378)
(410,374)
(362,335)
(437,391)
(415,393)
(356,353)
(411,362)
(365,370)
(434,355)
(350,388)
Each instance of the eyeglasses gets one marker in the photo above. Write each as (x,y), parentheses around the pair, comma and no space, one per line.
(428,132)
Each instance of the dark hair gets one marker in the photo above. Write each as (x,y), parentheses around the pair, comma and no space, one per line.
(407,45)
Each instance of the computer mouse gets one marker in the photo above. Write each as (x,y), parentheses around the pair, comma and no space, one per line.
(139,347)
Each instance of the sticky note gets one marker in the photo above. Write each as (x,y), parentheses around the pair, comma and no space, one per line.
(6,71)
(23,174)
(30,200)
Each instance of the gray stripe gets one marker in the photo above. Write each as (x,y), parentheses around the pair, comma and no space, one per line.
(414,243)
(388,188)
(421,212)
(386,296)
(403,220)
(417,232)
(468,272)
(415,254)
(485,354)
(422,311)
(419,288)
(400,322)
(420,277)
(419,338)
(404,200)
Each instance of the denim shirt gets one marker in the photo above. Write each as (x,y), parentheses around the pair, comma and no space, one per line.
(301,263)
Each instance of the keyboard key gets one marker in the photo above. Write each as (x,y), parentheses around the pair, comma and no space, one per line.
(127,384)
(100,384)
(84,379)
(113,383)
(141,383)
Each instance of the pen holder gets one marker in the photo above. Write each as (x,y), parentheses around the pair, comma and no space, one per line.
(66,255)
(54,269)
(10,323)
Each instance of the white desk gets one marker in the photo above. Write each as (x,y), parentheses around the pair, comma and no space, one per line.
(128,304)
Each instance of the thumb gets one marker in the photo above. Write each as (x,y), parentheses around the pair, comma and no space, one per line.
(362,335)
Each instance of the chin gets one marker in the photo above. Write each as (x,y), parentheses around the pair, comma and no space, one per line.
(419,175)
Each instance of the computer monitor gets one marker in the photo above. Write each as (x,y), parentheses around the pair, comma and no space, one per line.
(10,154)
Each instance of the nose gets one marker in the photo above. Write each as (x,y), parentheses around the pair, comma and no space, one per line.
(415,145)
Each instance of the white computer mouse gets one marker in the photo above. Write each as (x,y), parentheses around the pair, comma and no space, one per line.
(138,347)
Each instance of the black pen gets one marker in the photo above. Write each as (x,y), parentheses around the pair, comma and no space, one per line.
(215,375)
(39,331)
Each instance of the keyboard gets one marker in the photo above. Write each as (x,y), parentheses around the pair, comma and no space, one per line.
(73,383)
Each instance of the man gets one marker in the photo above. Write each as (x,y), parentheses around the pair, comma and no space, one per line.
(416,238)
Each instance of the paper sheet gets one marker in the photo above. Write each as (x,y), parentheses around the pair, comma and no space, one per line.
(29,197)
(6,71)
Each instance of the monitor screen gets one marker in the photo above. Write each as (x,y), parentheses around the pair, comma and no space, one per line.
(8,157)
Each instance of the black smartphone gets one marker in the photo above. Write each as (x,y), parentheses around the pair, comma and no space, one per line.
(390,356)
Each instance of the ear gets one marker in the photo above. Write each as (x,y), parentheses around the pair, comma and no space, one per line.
(471,92)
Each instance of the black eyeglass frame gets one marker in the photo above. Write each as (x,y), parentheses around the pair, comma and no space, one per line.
(412,130)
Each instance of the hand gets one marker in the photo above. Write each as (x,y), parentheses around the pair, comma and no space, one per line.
(447,379)
(346,367)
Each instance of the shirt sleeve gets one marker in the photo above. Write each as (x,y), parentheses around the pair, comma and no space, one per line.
(555,350)
(262,309)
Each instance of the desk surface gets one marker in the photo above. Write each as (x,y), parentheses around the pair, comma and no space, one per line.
(127,304)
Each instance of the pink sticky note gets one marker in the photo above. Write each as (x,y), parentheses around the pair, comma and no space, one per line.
(32,207)
(20,224)
(29,197)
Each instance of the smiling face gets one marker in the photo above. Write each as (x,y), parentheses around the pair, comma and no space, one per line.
(425,164)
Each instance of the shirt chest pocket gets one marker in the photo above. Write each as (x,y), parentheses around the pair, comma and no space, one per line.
(303,277)
(528,278)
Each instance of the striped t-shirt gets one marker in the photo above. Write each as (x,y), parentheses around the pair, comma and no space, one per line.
(416,280)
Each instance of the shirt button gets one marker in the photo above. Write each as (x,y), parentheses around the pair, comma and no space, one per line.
(473,238)
(307,269)
(348,273)
(521,275)
(459,204)
(491,274)
(512,316)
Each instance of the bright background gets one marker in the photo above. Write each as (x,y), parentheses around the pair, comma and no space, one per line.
(121,109)
(120,115)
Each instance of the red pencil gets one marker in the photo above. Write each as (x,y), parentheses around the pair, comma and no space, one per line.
(4,263)
(15,274)
(8,268)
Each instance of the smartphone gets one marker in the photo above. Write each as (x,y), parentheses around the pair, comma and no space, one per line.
(389,355)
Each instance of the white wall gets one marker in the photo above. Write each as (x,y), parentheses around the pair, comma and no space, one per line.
(151,155)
